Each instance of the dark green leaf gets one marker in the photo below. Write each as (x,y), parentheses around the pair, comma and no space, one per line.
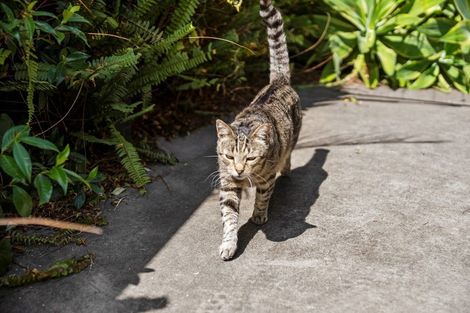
(79,200)
(44,188)
(39,143)
(413,45)
(8,165)
(62,156)
(45,27)
(74,30)
(44,13)
(14,134)
(58,174)
(75,177)
(77,18)
(436,27)
(23,160)
(22,201)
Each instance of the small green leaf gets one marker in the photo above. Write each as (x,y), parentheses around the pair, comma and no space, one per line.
(62,156)
(74,30)
(39,143)
(79,200)
(23,160)
(93,173)
(69,12)
(5,255)
(44,13)
(74,176)
(44,188)
(45,27)
(58,174)
(77,18)
(14,134)
(8,165)
(22,201)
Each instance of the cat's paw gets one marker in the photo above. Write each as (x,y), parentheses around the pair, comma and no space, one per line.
(259,219)
(227,250)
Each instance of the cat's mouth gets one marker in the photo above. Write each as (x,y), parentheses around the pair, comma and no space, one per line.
(239,177)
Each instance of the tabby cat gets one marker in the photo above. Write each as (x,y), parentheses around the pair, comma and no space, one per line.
(258,144)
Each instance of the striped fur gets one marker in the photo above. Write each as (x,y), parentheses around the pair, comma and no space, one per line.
(278,53)
(258,144)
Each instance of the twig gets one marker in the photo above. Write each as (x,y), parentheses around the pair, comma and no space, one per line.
(109,35)
(67,113)
(50,223)
(222,39)
(319,39)
(318,65)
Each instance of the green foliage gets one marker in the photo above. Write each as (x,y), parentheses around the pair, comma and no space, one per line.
(412,43)
(31,182)
(104,58)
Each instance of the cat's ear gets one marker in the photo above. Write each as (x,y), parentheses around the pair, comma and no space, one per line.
(223,129)
(263,133)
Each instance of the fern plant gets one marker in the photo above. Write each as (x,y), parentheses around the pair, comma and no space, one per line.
(106,59)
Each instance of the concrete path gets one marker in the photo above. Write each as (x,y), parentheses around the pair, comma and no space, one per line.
(375,217)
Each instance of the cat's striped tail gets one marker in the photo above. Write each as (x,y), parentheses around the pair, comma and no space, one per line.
(278,54)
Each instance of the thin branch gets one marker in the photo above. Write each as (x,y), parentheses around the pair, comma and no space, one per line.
(68,112)
(109,35)
(50,223)
(319,39)
(222,39)
(318,65)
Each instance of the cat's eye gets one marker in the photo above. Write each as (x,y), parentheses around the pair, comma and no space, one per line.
(251,158)
(230,157)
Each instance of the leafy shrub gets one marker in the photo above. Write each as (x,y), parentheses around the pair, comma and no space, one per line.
(104,61)
(28,174)
(413,43)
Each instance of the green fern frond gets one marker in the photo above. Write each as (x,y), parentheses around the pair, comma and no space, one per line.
(182,14)
(130,158)
(155,155)
(166,44)
(144,6)
(176,64)
(142,31)
(92,139)
(105,67)
(32,66)
(24,85)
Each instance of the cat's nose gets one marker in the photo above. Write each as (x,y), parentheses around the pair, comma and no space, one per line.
(239,168)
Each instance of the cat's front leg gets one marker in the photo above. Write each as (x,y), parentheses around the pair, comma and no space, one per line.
(263,194)
(230,197)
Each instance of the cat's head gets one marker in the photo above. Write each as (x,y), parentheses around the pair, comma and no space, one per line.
(242,152)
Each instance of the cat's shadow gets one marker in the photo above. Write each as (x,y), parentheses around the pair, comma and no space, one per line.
(293,197)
